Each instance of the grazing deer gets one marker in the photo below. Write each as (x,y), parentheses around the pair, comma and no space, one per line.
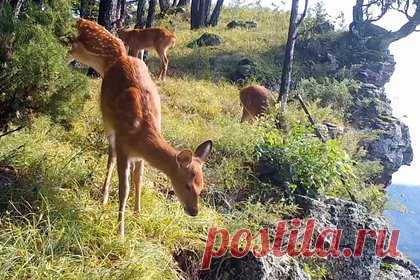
(130,106)
(137,40)
(255,101)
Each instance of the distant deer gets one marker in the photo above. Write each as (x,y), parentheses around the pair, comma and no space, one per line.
(130,106)
(160,39)
(255,101)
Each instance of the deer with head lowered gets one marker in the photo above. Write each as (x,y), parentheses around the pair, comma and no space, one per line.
(130,107)
(160,39)
(255,101)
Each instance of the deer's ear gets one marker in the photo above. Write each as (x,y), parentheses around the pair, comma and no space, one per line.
(203,151)
(184,158)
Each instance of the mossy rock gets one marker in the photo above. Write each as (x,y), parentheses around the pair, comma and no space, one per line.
(206,40)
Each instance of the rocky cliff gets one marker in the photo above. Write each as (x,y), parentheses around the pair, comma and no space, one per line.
(343,55)
(348,55)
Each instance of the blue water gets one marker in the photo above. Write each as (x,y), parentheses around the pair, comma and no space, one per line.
(407,199)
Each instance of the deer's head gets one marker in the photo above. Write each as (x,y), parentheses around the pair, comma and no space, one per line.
(189,180)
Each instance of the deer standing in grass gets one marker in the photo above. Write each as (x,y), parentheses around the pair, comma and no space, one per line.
(130,106)
(255,101)
(160,39)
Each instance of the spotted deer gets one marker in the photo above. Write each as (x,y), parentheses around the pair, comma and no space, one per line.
(130,107)
(160,39)
(255,101)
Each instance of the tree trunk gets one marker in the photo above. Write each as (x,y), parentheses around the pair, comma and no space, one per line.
(204,11)
(174,3)
(164,6)
(311,119)
(286,77)
(182,3)
(17,6)
(121,6)
(195,16)
(200,10)
(214,19)
(141,19)
(108,14)
(151,13)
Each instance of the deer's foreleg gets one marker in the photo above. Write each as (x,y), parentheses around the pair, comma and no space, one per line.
(109,169)
(123,167)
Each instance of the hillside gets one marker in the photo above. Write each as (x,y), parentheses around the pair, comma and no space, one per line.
(51,171)
(64,232)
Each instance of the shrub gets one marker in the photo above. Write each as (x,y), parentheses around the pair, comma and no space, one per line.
(304,161)
(37,79)
(329,92)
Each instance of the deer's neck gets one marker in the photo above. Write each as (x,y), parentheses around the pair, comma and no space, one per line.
(160,154)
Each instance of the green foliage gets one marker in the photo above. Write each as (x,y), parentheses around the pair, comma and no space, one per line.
(37,77)
(65,234)
(305,161)
(57,229)
(329,92)
(315,269)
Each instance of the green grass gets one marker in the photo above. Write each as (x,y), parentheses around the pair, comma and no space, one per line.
(52,224)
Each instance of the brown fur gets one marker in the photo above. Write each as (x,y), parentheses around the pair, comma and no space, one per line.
(159,39)
(130,106)
(255,101)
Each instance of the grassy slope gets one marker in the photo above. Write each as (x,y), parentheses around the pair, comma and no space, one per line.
(65,233)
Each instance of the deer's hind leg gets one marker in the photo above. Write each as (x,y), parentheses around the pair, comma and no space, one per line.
(164,63)
(109,169)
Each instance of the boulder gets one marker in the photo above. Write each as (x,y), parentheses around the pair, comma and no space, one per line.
(392,148)
(398,268)
(207,39)
(330,130)
(242,24)
(245,70)
(252,268)
(351,217)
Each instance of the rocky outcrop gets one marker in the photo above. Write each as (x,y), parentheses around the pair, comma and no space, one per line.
(398,268)
(242,24)
(205,40)
(372,111)
(245,70)
(351,217)
(349,55)
(252,268)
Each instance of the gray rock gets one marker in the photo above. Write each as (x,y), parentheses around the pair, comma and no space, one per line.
(392,148)
(398,268)
(251,268)
(330,130)
(245,70)
(350,217)
(207,39)
(371,110)
(242,24)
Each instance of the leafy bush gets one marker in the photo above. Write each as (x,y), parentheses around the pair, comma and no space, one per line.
(36,79)
(329,92)
(304,161)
